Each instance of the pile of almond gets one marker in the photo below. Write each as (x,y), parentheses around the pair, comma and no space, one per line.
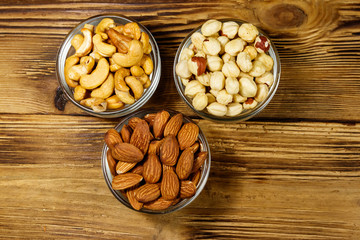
(156,161)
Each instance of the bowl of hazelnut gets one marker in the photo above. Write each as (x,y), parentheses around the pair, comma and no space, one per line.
(227,70)
(108,65)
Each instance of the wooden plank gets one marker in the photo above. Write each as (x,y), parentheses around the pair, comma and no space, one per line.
(318,44)
(270,180)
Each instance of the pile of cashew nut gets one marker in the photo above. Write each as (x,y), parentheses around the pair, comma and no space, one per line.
(226,68)
(111,65)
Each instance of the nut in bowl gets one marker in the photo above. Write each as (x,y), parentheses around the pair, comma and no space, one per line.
(227,70)
(156,162)
(109,65)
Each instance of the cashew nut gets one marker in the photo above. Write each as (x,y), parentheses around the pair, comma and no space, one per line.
(86,65)
(133,57)
(86,45)
(120,79)
(120,41)
(132,30)
(147,64)
(95,55)
(104,49)
(77,41)
(113,66)
(148,82)
(106,89)
(135,85)
(136,71)
(97,77)
(125,96)
(119,28)
(104,25)
(79,93)
(89,26)
(114,102)
(144,39)
(97,104)
(70,61)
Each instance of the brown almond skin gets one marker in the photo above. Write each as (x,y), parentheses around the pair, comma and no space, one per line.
(169,150)
(126,180)
(112,137)
(174,124)
(170,185)
(139,169)
(127,152)
(187,135)
(185,164)
(123,167)
(111,162)
(154,146)
(187,189)
(126,132)
(140,138)
(160,121)
(133,121)
(195,147)
(152,169)
(199,161)
(147,193)
(159,204)
(195,177)
(150,117)
(130,194)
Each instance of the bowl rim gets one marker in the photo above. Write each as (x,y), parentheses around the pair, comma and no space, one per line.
(246,114)
(183,203)
(63,53)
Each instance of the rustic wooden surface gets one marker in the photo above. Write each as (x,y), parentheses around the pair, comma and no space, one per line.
(292,172)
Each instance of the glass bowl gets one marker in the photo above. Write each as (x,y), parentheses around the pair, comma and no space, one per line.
(205,170)
(245,114)
(67,50)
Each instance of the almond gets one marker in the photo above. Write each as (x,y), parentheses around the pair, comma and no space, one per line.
(126,133)
(111,162)
(199,161)
(169,150)
(195,147)
(130,194)
(152,169)
(123,167)
(133,121)
(140,138)
(170,185)
(154,146)
(147,193)
(187,189)
(185,164)
(167,167)
(126,180)
(150,117)
(139,169)
(159,204)
(127,152)
(195,177)
(160,121)
(174,125)
(187,135)
(112,137)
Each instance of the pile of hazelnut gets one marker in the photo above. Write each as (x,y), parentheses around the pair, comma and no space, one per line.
(226,68)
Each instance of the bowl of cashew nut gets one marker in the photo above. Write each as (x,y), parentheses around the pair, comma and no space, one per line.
(109,65)
(227,70)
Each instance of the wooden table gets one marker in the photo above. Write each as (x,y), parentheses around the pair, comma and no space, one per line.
(292,172)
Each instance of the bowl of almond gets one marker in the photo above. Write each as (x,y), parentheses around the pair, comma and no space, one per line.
(156,161)
(227,70)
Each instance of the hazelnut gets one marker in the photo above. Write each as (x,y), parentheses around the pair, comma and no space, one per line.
(200,54)
(184,81)
(227,57)
(211,27)
(250,103)
(211,46)
(186,54)
(251,51)
(182,69)
(262,92)
(224,97)
(211,98)
(248,32)
(229,29)
(223,40)
(234,109)
(248,87)
(232,85)
(243,60)
(262,44)
(197,39)
(214,63)
(214,92)
(204,79)
(266,60)
(200,101)
(235,46)
(230,69)
(258,69)
(197,65)
(217,81)
(238,98)
(217,109)
(267,78)
(242,74)
(194,87)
